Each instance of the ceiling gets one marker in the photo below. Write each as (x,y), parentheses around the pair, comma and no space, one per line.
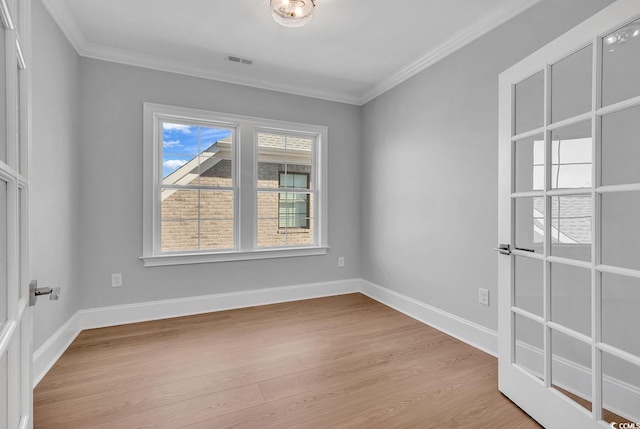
(352,50)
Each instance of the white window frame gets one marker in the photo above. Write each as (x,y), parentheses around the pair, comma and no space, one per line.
(245,187)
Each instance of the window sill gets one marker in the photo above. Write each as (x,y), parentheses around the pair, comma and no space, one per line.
(230,256)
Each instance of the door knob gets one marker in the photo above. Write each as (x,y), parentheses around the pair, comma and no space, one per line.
(503,249)
(35,292)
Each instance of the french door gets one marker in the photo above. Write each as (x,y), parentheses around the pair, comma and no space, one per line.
(569,222)
(15,314)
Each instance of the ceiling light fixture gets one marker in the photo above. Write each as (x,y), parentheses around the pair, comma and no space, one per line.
(292,13)
(622,36)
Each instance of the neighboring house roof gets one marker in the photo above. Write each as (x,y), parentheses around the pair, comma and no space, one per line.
(192,168)
(271,146)
(571,222)
(281,141)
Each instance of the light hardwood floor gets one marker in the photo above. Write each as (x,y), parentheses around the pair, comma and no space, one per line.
(337,362)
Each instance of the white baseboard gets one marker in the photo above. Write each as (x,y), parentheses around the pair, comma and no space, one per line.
(154,310)
(471,333)
(49,353)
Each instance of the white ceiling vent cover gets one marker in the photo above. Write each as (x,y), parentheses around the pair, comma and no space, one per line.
(238,59)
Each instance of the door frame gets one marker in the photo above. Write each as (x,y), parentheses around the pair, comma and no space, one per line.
(16,334)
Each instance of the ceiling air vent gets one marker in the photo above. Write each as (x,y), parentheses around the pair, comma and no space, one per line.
(237,59)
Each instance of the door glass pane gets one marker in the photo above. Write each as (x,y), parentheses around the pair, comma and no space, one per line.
(620,229)
(621,147)
(571,85)
(529,345)
(620,304)
(529,220)
(571,156)
(21,240)
(529,284)
(567,355)
(571,297)
(621,64)
(21,150)
(529,164)
(3,252)
(620,387)
(3,97)
(571,226)
(529,96)
(3,391)
(20,385)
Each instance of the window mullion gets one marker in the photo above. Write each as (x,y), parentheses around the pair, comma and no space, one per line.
(198,187)
(246,185)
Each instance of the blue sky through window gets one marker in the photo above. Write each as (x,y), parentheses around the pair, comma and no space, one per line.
(181,143)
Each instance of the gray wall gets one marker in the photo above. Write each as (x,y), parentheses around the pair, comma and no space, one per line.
(111,190)
(413,176)
(429,168)
(55,178)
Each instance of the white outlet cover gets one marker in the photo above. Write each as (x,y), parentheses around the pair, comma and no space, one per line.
(116,280)
(483,296)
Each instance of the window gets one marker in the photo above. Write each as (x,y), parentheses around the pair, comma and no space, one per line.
(197,192)
(293,208)
(198,207)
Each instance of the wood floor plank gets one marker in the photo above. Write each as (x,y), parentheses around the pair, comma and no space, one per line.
(161,386)
(362,368)
(338,362)
(399,401)
(155,365)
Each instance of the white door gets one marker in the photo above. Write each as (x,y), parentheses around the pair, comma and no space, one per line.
(15,314)
(569,211)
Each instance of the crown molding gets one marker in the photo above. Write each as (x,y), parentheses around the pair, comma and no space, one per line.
(495,17)
(487,22)
(156,62)
(67,23)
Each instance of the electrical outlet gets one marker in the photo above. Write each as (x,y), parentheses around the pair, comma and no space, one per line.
(116,280)
(483,296)
(341,261)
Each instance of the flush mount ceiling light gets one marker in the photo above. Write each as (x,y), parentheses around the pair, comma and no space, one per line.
(622,36)
(292,13)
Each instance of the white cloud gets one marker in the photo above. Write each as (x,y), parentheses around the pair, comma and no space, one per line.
(173,143)
(186,129)
(174,163)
